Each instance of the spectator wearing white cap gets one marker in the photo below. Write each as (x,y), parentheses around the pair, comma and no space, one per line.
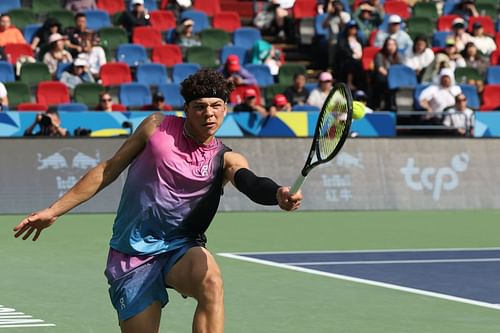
(437,97)
(458,33)
(318,95)
(484,43)
(57,53)
(394,31)
(137,16)
(78,73)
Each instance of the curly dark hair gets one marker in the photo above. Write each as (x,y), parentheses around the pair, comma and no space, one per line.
(206,83)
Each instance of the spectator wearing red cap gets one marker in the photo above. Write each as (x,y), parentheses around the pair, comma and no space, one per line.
(233,71)
(280,104)
(249,103)
(319,94)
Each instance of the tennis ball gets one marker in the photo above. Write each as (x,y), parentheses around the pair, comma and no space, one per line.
(358,110)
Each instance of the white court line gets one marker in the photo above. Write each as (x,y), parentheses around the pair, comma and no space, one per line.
(368,262)
(28,325)
(363,281)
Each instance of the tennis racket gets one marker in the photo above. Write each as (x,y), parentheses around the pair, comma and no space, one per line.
(331,131)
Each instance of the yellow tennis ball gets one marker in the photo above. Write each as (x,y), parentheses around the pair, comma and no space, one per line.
(358,110)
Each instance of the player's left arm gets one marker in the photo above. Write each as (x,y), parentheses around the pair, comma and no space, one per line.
(261,190)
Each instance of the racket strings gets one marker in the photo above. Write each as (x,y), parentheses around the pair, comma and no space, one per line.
(332,124)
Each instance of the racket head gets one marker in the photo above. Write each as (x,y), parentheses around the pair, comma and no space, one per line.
(332,128)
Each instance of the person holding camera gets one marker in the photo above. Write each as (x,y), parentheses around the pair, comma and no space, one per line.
(49,124)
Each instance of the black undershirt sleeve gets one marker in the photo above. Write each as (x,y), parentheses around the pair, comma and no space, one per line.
(261,190)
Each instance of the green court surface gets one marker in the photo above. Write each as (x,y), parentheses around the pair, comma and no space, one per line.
(59,279)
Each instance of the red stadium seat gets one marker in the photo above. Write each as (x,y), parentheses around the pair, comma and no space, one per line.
(304,8)
(162,20)
(237,94)
(445,22)
(228,21)
(495,58)
(118,107)
(31,107)
(111,6)
(52,92)
(115,73)
(368,56)
(147,36)
(486,21)
(168,55)
(497,39)
(14,51)
(210,8)
(400,8)
(244,8)
(491,97)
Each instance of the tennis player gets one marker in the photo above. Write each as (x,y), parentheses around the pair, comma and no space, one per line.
(177,171)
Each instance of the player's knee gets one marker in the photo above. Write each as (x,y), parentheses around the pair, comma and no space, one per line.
(212,289)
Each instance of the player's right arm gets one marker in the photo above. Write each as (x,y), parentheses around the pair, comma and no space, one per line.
(92,182)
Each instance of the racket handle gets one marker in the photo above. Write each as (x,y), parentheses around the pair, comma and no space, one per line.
(298,184)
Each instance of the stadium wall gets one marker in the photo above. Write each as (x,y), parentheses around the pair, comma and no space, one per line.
(378,174)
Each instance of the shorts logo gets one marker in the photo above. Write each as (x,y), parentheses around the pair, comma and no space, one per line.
(204,170)
(122,303)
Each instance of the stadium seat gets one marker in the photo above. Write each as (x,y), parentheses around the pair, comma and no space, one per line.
(319,30)
(210,8)
(262,73)
(449,5)
(52,93)
(22,17)
(486,21)
(112,37)
(487,9)
(147,36)
(115,73)
(168,55)
(416,94)
(111,6)
(34,72)
(162,20)
(97,19)
(470,91)
(215,39)
(151,74)
(183,70)
(72,107)
(7,72)
(201,21)
(425,9)
(465,74)
(272,90)
(495,58)
(236,96)
(132,54)
(41,7)
(401,76)
(445,22)
(151,5)
(18,92)
(243,8)
(202,55)
(239,51)
(305,107)
(417,25)
(30,31)
(304,9)
(14,51)
(32,107)
(134,94)
(246,37)
(491,97)
(368,56)
(88,93)
(400,8)
(172,94)
(61,68)
(497,36)
(65,17)
(7,5)
(118,107)
(287,72)
(439,38)
(493,75)
(227,21)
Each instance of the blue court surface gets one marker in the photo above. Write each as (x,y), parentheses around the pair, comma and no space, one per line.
(464,275)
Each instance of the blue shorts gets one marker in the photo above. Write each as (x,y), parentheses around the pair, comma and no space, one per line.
(136,282)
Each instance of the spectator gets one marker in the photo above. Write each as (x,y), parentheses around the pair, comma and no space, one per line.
(473,59)
(386,57)
(368,20)
(57,54)
(105,102)
(297,93)
(265,53)
(394,31)
(93,52)
(437,97)
(420,56)
(137,17)
(4,100)
(349,53)
(282,23)
(41,38)
(233,71)
(318,95)
(78,73)
(465,9)
(460,117)
(485,44)
(185,37)
(249,103)
(77,34)
(79,6)
(280,104)
(447,58)
(461,36)
(9,33)
(49,124)
(158,104)
(334,23)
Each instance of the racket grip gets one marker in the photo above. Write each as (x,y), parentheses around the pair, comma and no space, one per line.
(297,184)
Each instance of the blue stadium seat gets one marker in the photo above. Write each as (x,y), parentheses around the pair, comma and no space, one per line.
(134,94)
(439,38)
(61,68)
(493,75)
(401,76)
(416,95)
(72,107)
(246,37)
(151,74)
(172,94)
(6,72)
(305,107)
(239,51)
(30,30)
(151,5)
(132,54)
(182,71)
(97,19)
(201,21)
(6,5)
(262,73)
(449,5)
(319,30)
(470,92)
(311,85)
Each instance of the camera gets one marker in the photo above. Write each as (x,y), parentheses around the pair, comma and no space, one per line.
(45,121)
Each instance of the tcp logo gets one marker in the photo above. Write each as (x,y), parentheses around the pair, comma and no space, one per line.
(432,179)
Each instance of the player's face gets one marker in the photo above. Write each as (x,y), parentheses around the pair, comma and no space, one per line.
(204,116)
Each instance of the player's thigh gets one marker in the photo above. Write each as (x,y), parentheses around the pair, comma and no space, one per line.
(194,272)
(148,321)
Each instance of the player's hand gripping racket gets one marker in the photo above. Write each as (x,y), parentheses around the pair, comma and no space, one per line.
(331,131)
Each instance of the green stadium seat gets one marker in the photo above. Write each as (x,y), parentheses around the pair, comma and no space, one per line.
(418,25)
(202,55)
(288,70)
(18,92)
(65,17)
(487,9)
(88,94)
(33,73)
(22,17)
(426,9)
(111,37)
(272,90)
(465,74)
(41,7)
(215,39)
